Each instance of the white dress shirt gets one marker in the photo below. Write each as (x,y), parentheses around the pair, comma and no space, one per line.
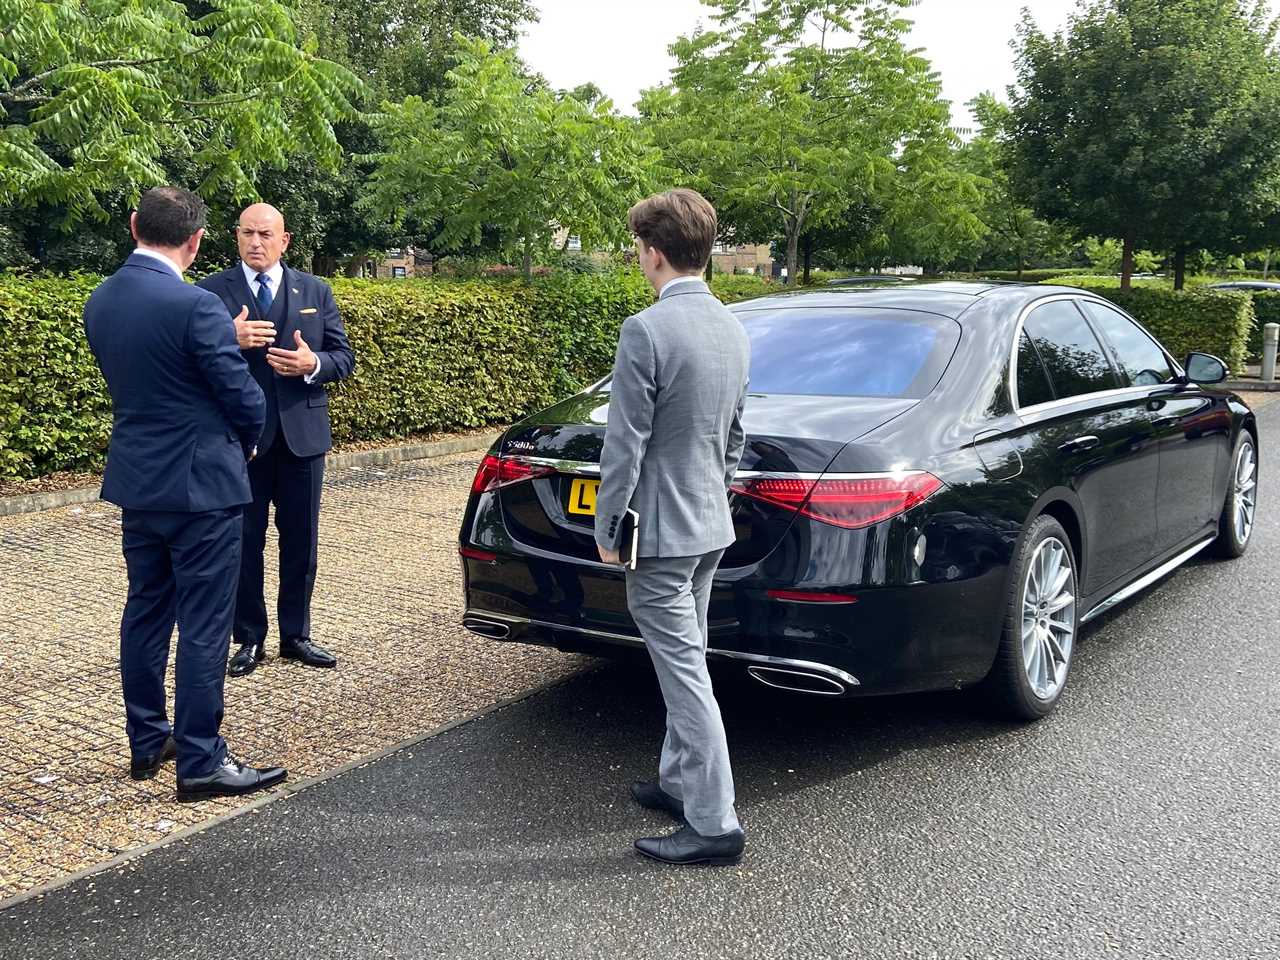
(276,275)
(671,283)
(157,255)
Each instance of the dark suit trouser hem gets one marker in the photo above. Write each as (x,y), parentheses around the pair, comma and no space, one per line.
(293,484)
(182,569)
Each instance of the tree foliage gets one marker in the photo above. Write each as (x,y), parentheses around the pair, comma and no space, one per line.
(503,151)
(791,112)
(96,97)
(1155,121)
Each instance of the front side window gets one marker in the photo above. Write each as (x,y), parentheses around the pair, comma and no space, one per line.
(1071,353)
(1141,359)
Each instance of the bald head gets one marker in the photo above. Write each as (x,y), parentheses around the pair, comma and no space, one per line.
(261,236)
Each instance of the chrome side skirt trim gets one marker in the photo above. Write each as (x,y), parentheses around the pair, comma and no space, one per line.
(623,639)
(1124,593)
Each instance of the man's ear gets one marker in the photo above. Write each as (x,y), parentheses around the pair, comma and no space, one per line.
(193,245)
(284,241)
(133,224)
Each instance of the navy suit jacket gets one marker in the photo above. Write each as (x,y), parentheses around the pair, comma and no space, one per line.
(186,411)
(298,409)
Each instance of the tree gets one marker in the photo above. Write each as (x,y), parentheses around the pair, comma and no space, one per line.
(95,98)
(503,151)
(792,110)
(1155,121)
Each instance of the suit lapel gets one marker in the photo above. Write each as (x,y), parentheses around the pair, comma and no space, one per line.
(281,315)
(238,287)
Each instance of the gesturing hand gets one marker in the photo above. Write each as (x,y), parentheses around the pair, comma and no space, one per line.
(253,333)
(609,556)
(292,363)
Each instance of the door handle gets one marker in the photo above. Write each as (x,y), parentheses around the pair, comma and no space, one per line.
(1080,444)
(1161,423)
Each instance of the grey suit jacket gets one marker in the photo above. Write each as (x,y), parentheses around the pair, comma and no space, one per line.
(674,436)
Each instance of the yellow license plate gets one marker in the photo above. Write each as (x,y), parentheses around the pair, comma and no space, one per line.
(582,496)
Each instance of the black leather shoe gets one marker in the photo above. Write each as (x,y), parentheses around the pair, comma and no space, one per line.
(687,846)
(144,768)
(231,779)
(245,660)
(306,652)
(653,797)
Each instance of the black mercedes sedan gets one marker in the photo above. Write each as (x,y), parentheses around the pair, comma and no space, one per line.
(942,483)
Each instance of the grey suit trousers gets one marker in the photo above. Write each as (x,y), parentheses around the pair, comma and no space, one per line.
(668,599)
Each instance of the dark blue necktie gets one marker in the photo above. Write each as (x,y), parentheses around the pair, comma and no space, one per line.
(264,294)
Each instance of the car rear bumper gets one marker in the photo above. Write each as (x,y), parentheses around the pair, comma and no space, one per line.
(924,636)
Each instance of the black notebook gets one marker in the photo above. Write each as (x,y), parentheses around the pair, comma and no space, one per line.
(629,542)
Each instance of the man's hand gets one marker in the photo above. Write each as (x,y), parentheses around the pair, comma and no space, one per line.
(609,556)
(292,363)
(253,333)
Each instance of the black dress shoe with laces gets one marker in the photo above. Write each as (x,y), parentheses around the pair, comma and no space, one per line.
(306,652)
(144,768)
(245,660)
(687,846)
(653,797)
(230,779)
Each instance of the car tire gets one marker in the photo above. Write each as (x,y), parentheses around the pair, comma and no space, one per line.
(1009,688)
(1239,510)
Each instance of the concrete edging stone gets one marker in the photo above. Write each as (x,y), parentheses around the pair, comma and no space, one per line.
(49,500)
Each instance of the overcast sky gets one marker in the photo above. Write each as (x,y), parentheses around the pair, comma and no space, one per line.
(621,46)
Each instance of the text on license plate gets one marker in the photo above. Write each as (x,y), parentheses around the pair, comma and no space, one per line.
(582,496)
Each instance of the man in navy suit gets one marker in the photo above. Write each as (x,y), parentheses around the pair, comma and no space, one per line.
(289,330)
(186,417)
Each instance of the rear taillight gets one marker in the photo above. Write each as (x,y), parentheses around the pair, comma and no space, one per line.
(495,472)
(851,501)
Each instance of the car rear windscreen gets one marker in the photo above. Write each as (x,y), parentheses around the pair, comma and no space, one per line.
(848,351)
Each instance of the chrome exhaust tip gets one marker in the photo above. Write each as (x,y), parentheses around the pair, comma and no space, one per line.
(798,681)
(493,629)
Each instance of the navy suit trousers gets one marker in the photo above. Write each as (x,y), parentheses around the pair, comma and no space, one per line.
(293,484)
(182,569)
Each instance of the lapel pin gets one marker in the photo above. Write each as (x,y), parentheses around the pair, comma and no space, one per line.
(295,289)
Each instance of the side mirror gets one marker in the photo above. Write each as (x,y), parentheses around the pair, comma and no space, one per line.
(1204,368)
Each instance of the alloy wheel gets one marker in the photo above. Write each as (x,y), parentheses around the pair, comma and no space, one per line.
(1246,484)
(1048,618)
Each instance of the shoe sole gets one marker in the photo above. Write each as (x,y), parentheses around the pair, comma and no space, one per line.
(143,775)
(677,813)
(732,861)
(252,667)
(198,795)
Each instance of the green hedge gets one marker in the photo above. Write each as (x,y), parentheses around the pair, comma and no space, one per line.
(431,355)
(1028,276)
(1209,321)
(1266,307)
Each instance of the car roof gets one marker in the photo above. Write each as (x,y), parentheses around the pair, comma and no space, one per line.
(949,298)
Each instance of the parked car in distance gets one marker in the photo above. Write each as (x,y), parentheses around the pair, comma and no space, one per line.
(1254,285)
(942,483)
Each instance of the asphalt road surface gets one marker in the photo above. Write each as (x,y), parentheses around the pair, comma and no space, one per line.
(1142,820)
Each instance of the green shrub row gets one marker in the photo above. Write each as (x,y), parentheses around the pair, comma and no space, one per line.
(1219,322)
(431,355)
(1266,308)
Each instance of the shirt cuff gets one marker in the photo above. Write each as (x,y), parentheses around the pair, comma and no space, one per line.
(311,377)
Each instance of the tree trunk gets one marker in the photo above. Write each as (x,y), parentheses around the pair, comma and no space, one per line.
(324,266)
(1266,264)
(355,265)
(528,257)
(1179,268)
(808,257)
(793,255)
(710,271)
(1020,265)
(1126,265)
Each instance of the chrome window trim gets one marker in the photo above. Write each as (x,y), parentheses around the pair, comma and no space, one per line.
(630,641)
(1118,392)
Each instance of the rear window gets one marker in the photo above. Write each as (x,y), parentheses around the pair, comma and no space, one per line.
(848,352)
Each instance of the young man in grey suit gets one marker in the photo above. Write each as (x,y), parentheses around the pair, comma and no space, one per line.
(672,445)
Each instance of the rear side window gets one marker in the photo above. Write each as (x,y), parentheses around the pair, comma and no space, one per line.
(1071,353)
(1033,381)
(848,351)
(1140,357)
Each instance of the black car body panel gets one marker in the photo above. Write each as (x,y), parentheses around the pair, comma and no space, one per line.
(918,598)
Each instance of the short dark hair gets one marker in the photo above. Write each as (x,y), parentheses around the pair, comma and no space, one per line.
(680,223)
(168,216)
